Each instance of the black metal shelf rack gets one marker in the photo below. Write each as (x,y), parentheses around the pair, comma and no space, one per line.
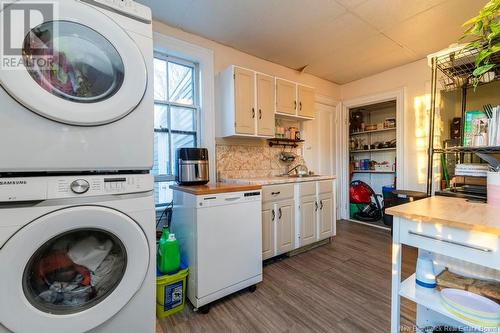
(457,68)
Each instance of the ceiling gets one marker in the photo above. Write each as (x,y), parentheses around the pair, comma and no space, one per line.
(339,40)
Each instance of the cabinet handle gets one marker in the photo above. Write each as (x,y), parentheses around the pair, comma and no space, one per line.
(300,106)
(295,105)
(321,205)
(449,241)
(281,214)
(260,114)
(275,193)
(274,216)
(316,204)
(253,112)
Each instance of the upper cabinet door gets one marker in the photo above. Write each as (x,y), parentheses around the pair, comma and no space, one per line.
(265,105)
(286,97)
(306,101)
(244,100)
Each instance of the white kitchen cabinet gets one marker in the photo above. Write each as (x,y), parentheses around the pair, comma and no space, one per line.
(285,226)
(305,96)
(296,215)
(308,220)
(278,220)
(325,221)
(268,240)
(265,105)
(326,209)
(294,100)
(244,101)
(247,103)
(286,97)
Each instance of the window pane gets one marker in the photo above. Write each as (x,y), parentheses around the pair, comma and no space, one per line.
(161,157)
(180,83)
(183,119)
(160,79)
(181,141)
(163,194)
(161,116)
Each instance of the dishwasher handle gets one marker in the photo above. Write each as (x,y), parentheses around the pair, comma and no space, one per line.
(231,199)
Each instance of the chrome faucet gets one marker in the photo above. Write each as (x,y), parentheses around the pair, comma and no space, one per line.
(300,169)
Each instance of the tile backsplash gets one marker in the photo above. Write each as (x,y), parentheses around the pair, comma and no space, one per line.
(252,161)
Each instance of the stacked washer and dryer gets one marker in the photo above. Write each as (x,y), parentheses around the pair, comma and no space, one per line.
(77,232)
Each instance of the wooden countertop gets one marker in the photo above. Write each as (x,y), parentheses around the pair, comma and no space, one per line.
(215,188)
(454,212)
(276,180)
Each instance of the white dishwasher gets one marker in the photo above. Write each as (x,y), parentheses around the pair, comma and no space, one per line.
(220,235)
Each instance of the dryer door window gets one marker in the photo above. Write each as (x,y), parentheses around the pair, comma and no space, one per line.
(73,62)
(74,271)
(80,67)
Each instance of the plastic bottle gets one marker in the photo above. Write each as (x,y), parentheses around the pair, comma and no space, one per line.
(169,257)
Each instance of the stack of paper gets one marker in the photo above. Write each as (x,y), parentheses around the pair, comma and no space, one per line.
(472,170)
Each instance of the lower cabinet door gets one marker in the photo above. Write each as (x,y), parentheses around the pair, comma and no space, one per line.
(325,228)
(285,226)
(268,220)
(308,218)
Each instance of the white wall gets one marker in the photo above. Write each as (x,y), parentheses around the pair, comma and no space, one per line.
(415,78)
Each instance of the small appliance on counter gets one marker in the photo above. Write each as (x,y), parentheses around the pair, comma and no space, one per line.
(191,167)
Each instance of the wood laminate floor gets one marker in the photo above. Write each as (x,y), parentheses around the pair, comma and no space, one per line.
(340,287)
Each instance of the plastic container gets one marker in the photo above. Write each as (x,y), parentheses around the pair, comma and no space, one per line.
(425,275)
(171,292)
(169,257)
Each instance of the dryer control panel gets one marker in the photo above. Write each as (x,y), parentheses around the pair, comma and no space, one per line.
(128,8)
(44,188)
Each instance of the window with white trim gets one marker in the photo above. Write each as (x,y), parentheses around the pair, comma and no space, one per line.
(176,117)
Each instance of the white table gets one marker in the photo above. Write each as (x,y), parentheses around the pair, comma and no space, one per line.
(456,231)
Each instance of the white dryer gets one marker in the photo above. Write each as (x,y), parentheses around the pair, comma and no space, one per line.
(77,254)
(81,97)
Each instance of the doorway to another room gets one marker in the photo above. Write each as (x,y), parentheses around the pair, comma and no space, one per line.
(372,156)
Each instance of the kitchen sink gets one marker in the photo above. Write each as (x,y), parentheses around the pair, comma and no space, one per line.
(303,176)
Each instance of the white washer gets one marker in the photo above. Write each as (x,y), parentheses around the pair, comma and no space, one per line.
(77,254)
(94,109)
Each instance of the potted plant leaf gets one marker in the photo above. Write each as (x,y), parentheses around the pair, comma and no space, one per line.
(484,29)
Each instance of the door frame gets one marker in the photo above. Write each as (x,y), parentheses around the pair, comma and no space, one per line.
(399,96)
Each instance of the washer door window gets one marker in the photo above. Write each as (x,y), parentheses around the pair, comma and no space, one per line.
(71,270)
(74,271)
(80,68)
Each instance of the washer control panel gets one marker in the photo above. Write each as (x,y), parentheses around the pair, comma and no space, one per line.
(44,188)
(80,186)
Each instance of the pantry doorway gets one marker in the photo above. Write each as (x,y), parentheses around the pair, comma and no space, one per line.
(372,154)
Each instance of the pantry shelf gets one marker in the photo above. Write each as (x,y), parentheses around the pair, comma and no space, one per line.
(373,171)
(374,131)
(371,150)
